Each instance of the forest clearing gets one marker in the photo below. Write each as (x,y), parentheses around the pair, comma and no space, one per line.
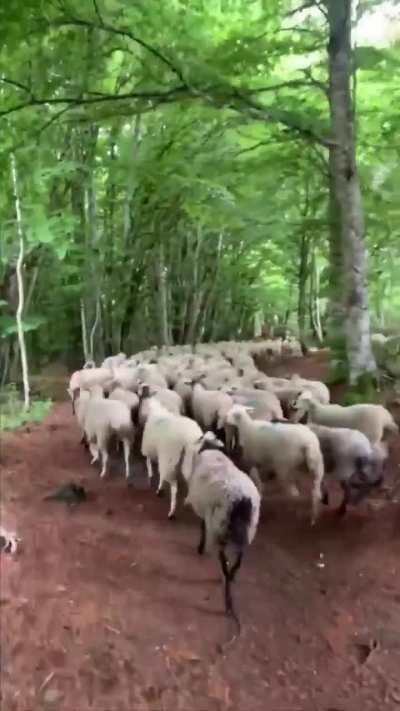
(200,355)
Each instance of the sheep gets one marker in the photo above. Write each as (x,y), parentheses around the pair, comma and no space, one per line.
(183,387)
(350,458)
(265,405)
(85,379)
(101,420)
(374,421)
(208,405)
(281,449)
(319,391)
(130,399)
(151,375)
(164,437)
(125,377)
(227,503)
(168,398)
(80,408)
(114,361)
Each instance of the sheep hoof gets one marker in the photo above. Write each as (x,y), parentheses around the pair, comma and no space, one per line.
(160,493)
(172,516)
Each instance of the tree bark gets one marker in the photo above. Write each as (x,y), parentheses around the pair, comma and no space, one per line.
(302,281)
(20,262)
(161,277)
(346,185)
(84,331)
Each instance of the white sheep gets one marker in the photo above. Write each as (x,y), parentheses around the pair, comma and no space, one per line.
(164,437)
(129,398)
(168,398)
(226,501)
(373,420)
(87,378)
(264,404)
(114,361)
(281,449)
(103,419)
(318,390)
(209,406)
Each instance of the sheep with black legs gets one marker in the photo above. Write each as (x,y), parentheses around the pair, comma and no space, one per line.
(226,501)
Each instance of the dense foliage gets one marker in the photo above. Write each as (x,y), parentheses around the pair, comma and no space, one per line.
(173,171)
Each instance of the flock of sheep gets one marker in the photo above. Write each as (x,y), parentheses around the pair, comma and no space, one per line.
(210,415)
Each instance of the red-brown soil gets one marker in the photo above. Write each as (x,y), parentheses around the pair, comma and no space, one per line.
(108,607)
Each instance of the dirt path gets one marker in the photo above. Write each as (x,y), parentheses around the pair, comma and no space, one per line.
(109,608)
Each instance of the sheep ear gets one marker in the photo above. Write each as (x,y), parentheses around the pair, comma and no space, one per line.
(305,395)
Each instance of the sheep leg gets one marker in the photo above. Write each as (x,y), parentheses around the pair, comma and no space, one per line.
(104,457)
(316,498)
(202,542)
(290,489)
(174,492)
(343,506)
(94,452)
(229,576)
(127,451)
(256,479)
(149,468)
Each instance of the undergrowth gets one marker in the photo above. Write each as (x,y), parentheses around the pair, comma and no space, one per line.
(12,413)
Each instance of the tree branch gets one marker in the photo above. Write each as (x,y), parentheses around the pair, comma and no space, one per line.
(169,95)
(246,105)
(15,83)
(292,83)
(304,6)
(97,11)
(123,33)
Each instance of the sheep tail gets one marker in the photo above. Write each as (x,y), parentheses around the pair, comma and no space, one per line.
(239,522)
(315,465)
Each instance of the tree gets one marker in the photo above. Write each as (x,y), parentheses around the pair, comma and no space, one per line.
(20,281)
(347,193)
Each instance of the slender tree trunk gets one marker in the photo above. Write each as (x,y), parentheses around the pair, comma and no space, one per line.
(96,323)
(302,291)
(20,262)
(84,332)
(314,309)
(161,277)
(5,363)
(347,190)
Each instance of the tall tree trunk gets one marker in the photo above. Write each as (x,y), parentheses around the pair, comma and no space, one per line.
(20,262)
(314,309)
(347,191)
(161,277)
(302,292)
(84,331)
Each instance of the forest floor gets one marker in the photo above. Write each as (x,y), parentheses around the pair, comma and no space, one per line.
(108,607)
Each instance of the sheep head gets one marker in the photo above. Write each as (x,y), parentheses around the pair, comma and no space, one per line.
(237,413)
(209,441)
(300,405)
